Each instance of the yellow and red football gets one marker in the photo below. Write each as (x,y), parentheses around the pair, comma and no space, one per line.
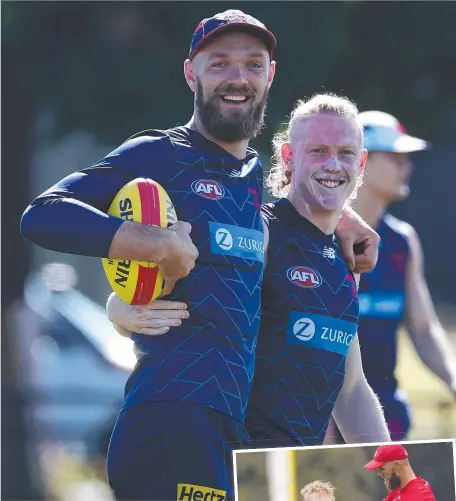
(142,201)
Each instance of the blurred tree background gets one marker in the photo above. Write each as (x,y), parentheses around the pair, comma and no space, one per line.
(81,77)
(344,468)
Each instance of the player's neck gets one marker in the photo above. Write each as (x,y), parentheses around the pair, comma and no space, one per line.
(369,206)
(324,220)
(238,150)
(407,476)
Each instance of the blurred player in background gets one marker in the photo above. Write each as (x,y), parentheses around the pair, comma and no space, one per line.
(318,491)
(395,293)
(392,465)
(185,401)
(307,359)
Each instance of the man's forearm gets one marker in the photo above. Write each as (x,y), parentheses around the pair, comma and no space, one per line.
(359,415)
(139,242)
(70,226)
(73,227)
(436,352)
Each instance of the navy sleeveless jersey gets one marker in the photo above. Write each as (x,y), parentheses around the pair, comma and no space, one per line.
(208,360)
(382,302)
(309,317)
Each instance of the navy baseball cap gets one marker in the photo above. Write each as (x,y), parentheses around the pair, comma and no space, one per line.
(383,132)
(234,20)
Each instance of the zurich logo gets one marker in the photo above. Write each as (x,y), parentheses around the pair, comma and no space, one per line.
(304,329)
(224,239)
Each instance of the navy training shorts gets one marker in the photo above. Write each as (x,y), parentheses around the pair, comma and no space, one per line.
(173,451)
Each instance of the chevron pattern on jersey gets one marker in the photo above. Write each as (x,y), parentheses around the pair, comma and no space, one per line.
(208,360)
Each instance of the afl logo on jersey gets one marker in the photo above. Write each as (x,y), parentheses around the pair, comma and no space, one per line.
(208,188)
(304,277)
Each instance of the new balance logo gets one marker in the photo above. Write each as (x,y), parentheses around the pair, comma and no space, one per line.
(329,253)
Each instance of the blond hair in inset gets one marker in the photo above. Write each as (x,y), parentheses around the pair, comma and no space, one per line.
(318,487)
(279,178)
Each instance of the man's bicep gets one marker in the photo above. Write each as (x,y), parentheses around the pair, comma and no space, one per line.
(353,366)
(97,185)
(419,308)
(71,216)
(94,186)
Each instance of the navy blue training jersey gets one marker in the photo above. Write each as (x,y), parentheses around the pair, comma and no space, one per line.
(209,359)
(382,303)
(309,317)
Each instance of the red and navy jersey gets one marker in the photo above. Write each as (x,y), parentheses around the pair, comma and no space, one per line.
(309,317)
(208,360)
(382,305)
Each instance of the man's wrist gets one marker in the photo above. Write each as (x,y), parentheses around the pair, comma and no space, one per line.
(140,242)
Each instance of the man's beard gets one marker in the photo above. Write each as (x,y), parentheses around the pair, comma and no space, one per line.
(237,126)
(394,482)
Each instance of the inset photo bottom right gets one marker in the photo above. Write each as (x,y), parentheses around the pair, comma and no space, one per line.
(407,471)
